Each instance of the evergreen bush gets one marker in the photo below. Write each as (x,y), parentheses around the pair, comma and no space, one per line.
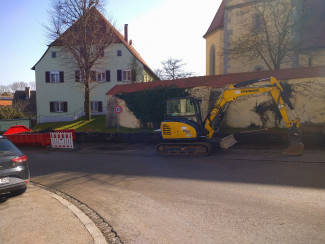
(148,105)
(8,112)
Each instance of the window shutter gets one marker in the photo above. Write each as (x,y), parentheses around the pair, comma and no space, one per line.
(100,106)
(65,106)
(133,75)
(77,75)
(108,76)
(47,76)
(61,76)
(92,75)
(119,75)
(52,107)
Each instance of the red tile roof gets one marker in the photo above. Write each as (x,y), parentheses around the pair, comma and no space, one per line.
(219,81)
(218,20)
(5,100)
(122,40)
(118,38)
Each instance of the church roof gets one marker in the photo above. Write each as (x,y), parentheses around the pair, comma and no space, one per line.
(218,20)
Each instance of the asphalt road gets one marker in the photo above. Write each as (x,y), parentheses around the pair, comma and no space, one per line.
(234,196)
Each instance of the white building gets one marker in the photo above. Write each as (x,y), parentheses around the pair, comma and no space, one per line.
(60,94)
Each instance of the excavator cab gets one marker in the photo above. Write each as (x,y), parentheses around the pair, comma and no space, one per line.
(182,128)
(187,108)
(182,119)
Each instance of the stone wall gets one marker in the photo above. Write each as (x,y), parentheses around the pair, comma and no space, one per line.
(308,98)
(126,118)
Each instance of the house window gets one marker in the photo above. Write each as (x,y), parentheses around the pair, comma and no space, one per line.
(54,76)
(53,54)
(58,107)
(212,68)
(127,75)
(119,52)
(96,106)
(101,76)
(96,76)
(257,23)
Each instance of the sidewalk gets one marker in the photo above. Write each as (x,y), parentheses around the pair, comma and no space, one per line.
(40,216)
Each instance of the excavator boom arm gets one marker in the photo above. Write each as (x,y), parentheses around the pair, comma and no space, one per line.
(232,92)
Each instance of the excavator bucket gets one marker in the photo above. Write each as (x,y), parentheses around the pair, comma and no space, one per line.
(228,141)
(295,148)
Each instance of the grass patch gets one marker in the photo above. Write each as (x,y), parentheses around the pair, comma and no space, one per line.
(96,124)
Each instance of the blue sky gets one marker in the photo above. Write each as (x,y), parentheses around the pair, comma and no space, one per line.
(159,29)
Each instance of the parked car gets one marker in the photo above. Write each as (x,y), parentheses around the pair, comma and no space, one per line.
(14,172)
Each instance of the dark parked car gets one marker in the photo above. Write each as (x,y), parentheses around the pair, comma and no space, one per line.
(14,172)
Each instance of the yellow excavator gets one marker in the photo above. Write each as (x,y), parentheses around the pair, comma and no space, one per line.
(185,133)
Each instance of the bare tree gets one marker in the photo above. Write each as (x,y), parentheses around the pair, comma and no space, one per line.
(172,70)
(135,70)
(83,33)
(18,86)
(159,73)
(273,32)
(311,89)
(4,89)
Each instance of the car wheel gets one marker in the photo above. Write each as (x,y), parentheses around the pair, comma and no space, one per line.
(18,192)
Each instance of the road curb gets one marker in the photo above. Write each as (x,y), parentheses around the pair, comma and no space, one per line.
(97,227)
(265,140)
(87,222)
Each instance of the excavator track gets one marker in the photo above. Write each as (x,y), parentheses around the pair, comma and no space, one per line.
(184,148)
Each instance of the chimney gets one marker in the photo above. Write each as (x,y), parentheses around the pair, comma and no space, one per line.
(27,92)
(126,38)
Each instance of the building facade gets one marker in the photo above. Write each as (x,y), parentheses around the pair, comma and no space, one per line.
(60,90)
(241,19)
